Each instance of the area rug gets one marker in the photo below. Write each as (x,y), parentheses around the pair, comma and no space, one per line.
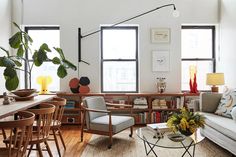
(124,146)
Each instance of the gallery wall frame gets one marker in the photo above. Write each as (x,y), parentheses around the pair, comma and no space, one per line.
(160,35)
(161,60)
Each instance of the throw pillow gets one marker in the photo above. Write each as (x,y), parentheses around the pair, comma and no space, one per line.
(227,103)
(233,114)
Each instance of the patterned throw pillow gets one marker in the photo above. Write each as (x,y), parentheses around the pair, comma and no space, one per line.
(227,103)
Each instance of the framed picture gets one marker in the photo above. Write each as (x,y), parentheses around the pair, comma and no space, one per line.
(160,35)
(160,61)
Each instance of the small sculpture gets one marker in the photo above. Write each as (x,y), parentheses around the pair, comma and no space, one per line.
(193,79)
(161,85)
(6,99)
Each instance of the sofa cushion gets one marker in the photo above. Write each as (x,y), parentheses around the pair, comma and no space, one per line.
(119,123)
(222,124)
(233,114)
(227,102)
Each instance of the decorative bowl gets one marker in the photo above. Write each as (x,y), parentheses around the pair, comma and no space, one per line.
(176,137)
(24,92)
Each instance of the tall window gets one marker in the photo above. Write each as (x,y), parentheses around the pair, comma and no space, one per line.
(198,48)
(50,36)
(119,59)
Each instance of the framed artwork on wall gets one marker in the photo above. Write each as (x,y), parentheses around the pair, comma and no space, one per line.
(161,61)
(160,35)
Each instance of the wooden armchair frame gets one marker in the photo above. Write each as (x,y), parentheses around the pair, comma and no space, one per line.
(110,133)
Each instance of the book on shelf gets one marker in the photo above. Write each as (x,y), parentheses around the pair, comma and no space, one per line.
(140,106)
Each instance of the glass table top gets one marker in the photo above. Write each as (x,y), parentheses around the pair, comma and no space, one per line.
(148,135)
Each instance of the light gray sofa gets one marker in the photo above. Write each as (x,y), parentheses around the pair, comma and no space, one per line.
(218,129)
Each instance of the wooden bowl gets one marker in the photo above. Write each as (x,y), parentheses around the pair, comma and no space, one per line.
(24,92)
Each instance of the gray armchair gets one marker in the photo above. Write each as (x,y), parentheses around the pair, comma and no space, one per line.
(99,120)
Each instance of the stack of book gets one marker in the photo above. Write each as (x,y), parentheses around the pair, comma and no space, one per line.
(159,129)
(159,104)
(140,103)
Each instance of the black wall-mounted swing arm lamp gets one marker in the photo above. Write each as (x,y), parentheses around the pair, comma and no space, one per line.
(175,13)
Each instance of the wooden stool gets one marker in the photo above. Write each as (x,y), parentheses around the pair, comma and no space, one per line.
(56,122)
(18,132)
(41,127)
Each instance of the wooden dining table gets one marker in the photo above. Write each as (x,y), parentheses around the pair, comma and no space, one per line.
(14,107)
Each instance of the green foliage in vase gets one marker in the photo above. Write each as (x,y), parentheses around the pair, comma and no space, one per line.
(21,42)
(186,121)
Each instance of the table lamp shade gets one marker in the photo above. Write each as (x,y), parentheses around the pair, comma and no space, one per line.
(215,79)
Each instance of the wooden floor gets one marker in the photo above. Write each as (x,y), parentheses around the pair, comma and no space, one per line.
(71,135)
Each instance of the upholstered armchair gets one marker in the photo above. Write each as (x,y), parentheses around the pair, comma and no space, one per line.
(98,120)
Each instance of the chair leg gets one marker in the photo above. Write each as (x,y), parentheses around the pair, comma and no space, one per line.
(131,131)
(48,149)
(82,133)
(110,138)
(39,150)
(31,147)
(56,141)
(62,140)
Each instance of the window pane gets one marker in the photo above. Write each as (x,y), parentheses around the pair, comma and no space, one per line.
(203,67)
(46,69)
(119,76)
(119,43)
(50,37)
(197,43)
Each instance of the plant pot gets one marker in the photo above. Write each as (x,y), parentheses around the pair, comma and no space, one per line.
(186,132)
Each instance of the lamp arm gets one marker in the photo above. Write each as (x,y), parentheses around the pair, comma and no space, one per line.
(147,12)
(99,30)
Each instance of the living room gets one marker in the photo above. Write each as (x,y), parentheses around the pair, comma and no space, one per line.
(215,17)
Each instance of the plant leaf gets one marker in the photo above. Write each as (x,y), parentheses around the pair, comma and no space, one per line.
(27,38)
(15,40)
(6,62)
(16,25)
(12,83)
(56,60)
(70,65)
(20,51)
(7,52)
(59,50)
(17,63)
(61,71)
(44,47)
(9,72)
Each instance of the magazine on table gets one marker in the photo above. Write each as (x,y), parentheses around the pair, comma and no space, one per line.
(159,128)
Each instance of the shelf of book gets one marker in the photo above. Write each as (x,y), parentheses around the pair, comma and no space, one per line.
(147,107)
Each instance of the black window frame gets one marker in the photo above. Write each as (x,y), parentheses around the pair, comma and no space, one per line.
(27,29)
(213,59)
(117,60)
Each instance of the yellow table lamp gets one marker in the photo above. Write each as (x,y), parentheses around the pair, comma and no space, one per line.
(44,81)
(215,79)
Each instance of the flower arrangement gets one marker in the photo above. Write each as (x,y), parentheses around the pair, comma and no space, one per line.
(186,122)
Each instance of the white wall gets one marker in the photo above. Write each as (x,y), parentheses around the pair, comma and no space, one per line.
(5,32)
(227,61)
(90,14)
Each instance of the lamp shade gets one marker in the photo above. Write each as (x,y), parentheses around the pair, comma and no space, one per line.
(215,79)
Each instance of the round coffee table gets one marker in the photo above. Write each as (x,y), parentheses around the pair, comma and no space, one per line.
(151,141)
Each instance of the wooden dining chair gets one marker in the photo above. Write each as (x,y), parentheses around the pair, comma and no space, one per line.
(17,133)
(41,128)
(56,121)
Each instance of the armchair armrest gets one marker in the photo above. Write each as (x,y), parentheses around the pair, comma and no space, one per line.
(95,110)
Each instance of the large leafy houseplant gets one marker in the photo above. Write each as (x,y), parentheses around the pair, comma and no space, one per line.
(21,42)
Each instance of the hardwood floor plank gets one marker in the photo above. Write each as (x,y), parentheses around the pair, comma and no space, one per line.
(71,135)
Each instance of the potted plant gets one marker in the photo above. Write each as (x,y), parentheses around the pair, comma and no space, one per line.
(186,122)
(21,42)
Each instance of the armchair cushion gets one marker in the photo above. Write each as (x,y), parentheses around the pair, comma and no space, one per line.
(97,103)
(119,123)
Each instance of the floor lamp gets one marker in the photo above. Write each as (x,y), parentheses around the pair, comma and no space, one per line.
(175,14)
